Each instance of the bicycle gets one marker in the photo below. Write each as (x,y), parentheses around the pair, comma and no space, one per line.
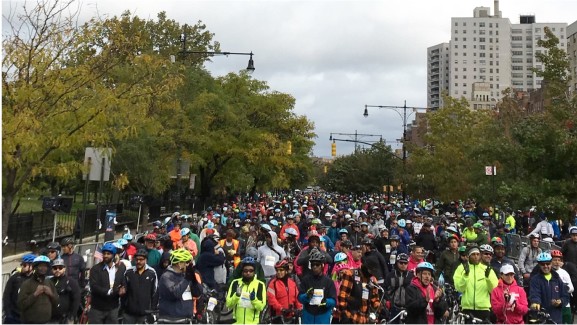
(87,300)
(288,316)
(214,305)
(463,318)
(540,317)
(402,315)
(453,300)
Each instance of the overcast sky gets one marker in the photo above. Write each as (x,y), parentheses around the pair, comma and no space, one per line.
(334,56)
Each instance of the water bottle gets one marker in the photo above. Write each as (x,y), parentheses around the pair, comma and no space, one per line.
(441,280)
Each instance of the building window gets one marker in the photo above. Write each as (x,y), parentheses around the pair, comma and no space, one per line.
(464,39)
(456,46)
(464,23)
(456,24)
(456,31)
(456,84)
(456,39)
(490,25)
(482,55)
(482,39)
(481,24)
(464,31)
(482,47)
(482,32)
(517,38)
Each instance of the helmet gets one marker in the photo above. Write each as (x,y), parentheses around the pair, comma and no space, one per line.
(533,236)
(58,262)
(544,257)
(462,250)
(290,231)
(117,245)
(109,247)
(67,241)
(41,259)
(127,236)
(556,253)
(343,231)
(266,226)
(141,252)
(452,229)
(496,239)
(248,260)
(395,237)
(573,230)
(478,226)
(122,242)
(150,237)
(402,258)
(180,255)
(184,231)
(316,221)
(282,264)
(367,241)
(402,223)
(251,252)
(316,256)
(28,258)
(53,245)
(339,257)
(274,222)
(486,248)
(425,266)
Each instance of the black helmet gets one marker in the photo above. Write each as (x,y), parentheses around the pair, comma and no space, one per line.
(367,241)
(53,245)
(67,241)
(316,256)
(141,252)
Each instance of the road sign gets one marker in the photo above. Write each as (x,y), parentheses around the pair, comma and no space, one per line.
(490,170)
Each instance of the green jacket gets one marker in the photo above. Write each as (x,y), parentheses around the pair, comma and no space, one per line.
(251,314)
(36,309)
(475,287)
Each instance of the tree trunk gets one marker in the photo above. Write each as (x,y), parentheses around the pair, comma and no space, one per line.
(7,200)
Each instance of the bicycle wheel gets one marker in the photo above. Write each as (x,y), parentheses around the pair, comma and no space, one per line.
(265,316)
(209,317)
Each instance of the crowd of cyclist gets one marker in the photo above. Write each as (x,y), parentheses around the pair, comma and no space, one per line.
(319,257)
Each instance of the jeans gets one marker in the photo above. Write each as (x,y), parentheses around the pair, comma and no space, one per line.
(96,316)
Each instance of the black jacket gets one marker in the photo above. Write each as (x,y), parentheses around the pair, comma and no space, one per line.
(141,291)
(383,270)
(68,297)
(417,306)
(100,284)
(10,295)
(75,267)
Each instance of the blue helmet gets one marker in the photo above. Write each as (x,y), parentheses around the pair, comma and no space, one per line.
(425,266)
(402,223)
(343,231)
(544,257)
(248,260)
(109,247)
(28,258)
(127,237)
(122,242)
(41,259)
(340,257)
(184,231)
(274,222)
(266,226)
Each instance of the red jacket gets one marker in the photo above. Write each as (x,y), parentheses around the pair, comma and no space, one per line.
(413,263)
(281,296)
(502,308)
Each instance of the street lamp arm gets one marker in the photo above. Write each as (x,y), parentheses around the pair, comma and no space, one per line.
(369,144)
(216,53)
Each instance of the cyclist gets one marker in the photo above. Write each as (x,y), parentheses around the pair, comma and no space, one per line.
(282,292)
(153,258)
(486,254)
(569,249)
(317,291)
(361,284)
(528,258)
(75,265)
(302,261)
(210,257)
(269,254)
(509,301)
(396,284)
(557,264)
(475,281)
(500,259)
(247,295)
(547,289)
(424,300)
(186,242)
(68,294)
(416,257)
(178,287)
(449,260)
(369,251)
(10,295)
(543,228)
(141,289)
(37,297)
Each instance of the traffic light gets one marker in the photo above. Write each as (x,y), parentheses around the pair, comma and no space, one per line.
(289,149)
(334,149)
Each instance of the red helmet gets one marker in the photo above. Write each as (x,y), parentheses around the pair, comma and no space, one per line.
(556,253)
(151,237)
(282,264)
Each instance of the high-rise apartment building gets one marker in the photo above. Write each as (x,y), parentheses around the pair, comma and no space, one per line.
(572,53)
(437,74)
(488,54)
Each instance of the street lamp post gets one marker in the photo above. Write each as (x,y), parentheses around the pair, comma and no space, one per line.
(356,138)
(184,52)
(404,117)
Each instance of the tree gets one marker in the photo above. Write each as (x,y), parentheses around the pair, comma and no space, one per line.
(67,86)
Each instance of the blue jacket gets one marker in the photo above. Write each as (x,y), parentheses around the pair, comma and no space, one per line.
(543,291)
(333,233)
(207,261)
(170,289)
(313,314)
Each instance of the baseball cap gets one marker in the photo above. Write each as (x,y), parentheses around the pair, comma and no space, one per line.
(507,269)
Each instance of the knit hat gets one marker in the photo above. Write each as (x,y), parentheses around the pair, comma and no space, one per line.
(473,250)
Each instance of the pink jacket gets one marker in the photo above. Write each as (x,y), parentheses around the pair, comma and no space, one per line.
(502,308)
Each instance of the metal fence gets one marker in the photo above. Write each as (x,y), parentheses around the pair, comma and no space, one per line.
(515,243)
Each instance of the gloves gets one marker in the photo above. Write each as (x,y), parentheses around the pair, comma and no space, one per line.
(252,295)
(189,274)
(536,306)
(310,293)
(388,304)
(466,268)
(487,271)
(556,302)
(238,290)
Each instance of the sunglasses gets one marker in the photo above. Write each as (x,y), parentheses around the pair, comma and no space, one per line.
(248,270)
(544,264)
(403,262)
(57,267)
(490,254)
(316,264)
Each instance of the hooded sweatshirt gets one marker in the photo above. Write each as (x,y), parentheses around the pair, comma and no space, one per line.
(509,311)
(420,303)
(269,255)
(207,261)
